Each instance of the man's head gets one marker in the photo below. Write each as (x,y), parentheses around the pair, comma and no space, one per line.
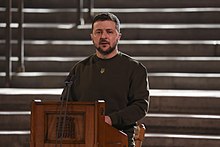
(106,34)
(107,16)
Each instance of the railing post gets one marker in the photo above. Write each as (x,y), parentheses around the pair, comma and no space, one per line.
(91,6)
(21,67)
(80,19)
(8,43)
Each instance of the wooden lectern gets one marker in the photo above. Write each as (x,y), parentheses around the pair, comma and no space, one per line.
(83,126)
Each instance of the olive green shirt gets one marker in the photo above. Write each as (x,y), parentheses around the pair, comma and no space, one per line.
(121,82)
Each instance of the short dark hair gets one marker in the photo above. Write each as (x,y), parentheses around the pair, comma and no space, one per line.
(107,16)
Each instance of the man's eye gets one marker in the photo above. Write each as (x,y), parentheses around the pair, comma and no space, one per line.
(98,32)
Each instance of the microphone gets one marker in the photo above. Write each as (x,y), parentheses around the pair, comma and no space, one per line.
(63,109)
(66,91)
(69,81)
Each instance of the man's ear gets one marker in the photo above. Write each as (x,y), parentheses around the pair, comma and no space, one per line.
(91,36)
(119,38)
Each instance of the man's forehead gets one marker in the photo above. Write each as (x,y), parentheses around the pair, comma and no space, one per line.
(104,24)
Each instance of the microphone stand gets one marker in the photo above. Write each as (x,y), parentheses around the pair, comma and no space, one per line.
(63,109)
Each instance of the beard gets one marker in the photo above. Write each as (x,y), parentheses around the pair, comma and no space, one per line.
(109,50)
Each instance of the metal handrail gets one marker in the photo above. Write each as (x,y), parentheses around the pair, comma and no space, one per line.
(8,43)
(91,6)
(21,67)
(80,19)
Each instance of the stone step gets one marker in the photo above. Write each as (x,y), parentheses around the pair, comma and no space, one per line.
(165,101)
(35,80)
(18,102)
(121,3)
(21,138)
(74,48)
(182,123)
(164,15)
(151,140)
(189,137)
(43,15)
(155,123)
(180,140)
(51,4)
(129,32)
(15,121)
(126,15)
(184,101)
(15,138)
(199,81)
(158,3)
(184,81)
(20,99)
(153,64)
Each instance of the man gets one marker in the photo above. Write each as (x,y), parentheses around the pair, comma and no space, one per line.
(112,76)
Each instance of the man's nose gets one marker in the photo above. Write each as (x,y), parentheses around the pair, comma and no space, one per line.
(104,34)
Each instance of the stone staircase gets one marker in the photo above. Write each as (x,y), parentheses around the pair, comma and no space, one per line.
(178,41)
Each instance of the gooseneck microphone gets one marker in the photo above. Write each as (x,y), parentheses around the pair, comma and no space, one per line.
(63,110)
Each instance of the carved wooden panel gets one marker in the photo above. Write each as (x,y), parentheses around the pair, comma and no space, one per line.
(70,128)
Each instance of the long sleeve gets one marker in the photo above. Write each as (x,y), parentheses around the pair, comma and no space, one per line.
(138,103)
(123,86)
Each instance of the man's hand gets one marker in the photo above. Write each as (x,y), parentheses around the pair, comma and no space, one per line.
(108,120)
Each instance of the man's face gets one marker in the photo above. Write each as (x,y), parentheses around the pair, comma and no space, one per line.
(105,36)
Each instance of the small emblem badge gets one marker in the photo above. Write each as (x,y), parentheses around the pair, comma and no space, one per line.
(102,70)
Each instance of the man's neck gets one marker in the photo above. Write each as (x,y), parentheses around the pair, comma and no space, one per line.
(108,56)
